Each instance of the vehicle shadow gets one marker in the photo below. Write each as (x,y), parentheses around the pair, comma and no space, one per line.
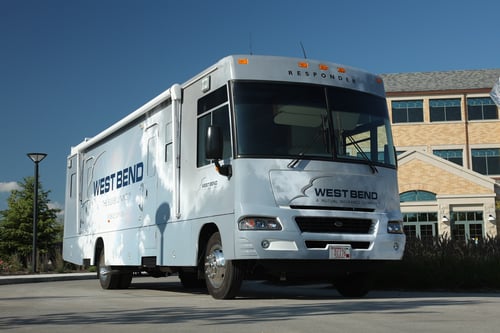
(249,289)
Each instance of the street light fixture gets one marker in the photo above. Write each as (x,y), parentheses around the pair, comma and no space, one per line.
(36,158)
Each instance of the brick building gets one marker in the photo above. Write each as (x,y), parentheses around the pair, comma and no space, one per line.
(447,133)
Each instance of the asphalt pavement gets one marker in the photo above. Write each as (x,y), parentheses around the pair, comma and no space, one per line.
(163,305)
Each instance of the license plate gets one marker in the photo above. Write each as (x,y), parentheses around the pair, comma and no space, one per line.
(340,252)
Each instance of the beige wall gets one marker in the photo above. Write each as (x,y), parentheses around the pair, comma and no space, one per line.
(455,189)
(418,175)
(407,135)
(486,132)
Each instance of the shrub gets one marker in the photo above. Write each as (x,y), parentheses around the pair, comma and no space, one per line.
(10,264)
(445,264)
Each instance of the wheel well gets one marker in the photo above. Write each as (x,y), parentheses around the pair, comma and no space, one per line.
(205,233)
(99,245)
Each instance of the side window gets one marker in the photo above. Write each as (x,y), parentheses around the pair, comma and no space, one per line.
(213,109)
(151,170)
(168,143)
(152,134)
(203,123)
(89,169)
(220,117)
(72,185)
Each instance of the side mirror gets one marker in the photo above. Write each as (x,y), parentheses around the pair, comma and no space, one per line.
(213,143)
(214,148)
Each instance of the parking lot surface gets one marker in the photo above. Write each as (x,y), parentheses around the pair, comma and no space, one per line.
(162,305)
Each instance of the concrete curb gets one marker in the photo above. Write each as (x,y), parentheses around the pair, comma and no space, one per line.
(35,278)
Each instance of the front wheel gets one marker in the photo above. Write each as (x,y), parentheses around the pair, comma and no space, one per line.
(112,278)
(223,277)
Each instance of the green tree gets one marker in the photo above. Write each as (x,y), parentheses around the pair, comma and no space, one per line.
(16,224)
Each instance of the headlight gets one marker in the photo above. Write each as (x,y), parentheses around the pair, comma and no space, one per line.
(395,227)
(259,223)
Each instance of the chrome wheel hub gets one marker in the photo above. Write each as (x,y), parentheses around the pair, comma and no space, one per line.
(215,267)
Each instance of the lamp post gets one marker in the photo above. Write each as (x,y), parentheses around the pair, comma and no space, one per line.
(36,158)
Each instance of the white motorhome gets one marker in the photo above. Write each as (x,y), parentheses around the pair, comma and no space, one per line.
(259,167)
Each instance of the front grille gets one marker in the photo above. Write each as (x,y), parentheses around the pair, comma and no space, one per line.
(324,244)
(334,225)
(332,208)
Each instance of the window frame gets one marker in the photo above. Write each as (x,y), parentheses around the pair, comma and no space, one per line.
(482,106)
(419,105)
(208,106)
(334,137)
(487,160)
(442,152)
(463,221)
(413,196)
(416,228)
(447,110)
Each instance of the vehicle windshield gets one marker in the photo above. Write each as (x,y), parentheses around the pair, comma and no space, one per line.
(298,121)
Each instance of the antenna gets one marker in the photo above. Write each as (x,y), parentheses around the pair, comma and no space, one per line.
(303,50)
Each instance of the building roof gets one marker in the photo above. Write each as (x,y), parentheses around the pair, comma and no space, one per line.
(463,80)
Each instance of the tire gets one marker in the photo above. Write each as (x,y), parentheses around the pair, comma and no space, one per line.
(108,278)
(353,284)
(223,277)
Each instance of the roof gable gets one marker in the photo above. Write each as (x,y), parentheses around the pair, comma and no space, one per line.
(449,167)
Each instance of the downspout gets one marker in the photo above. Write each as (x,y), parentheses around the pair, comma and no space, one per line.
(176,94)
(79,183)
(468,162)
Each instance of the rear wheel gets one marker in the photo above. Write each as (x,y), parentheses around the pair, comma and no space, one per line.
(223,277)
(353,284)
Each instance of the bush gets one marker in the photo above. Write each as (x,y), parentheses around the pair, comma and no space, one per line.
(10,264)
(444,264)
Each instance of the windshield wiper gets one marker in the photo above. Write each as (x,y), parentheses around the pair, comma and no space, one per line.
(363,154)
(296,160)
(322,131)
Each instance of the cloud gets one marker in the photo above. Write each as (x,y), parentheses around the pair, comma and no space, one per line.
(9,187)
(57,205)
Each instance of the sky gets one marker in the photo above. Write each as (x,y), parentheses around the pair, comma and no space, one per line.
(71,68)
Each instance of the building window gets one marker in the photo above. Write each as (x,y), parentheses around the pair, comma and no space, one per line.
(417,196)
(467,226)
(407,111)
(486,161)
(481,109)
(445,109)
(452,155)
(420,225)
